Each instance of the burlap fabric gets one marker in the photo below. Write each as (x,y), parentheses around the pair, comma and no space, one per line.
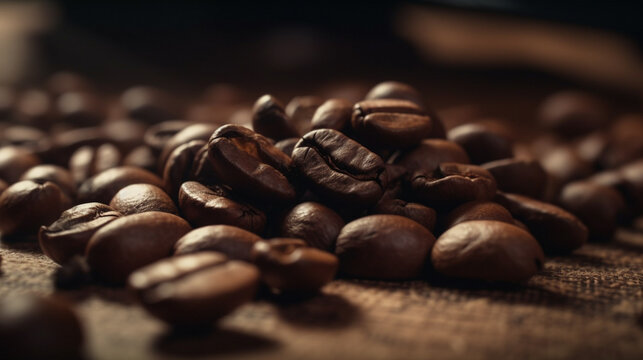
(584,306)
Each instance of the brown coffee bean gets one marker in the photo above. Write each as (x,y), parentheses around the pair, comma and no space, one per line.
(395,90)
(487,250)
(202,205)
(179,166)
(314,223)
(127,135)
(287,145)
(67,142)
(14,161)
(519,176)
(390,122)
(131,242)
(232,241)
(419,213)
(572,113)
(339,169)
(300,111)
(139,198)
(333,114)
(477,210)
(591,147)
(35,107)
(158,135)
(34,327)
(142,157)
(289,266)
(148,104)
(452,184)
(624,143)
(103,186)
(26,205)
(557,230)
(269,119)
(249,164)
(80,108)
(202,169)
(597,206)
(383,247)
(430,153)
(564,165)
(56,174)
(68,236)
(483,142)
(192,132)
(27,137)
(633,182)
(195,289)
(88,161)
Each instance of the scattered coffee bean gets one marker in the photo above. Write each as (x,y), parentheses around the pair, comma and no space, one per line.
(419,213)
(395,90)
(139,198)
(148,104)
(158,135)
(300,111)
(80,108)
(571,113)
(314,223)
(179,166)
(88,161)
(519,176)
(103,186)
(54,173)
(192,132)
(232,241)
(430,153)
(477,210)
(333,114)
(14,161)
(482,142)
(270,120)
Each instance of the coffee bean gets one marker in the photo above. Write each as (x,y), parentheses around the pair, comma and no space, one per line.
(35,107)
(139,198)
(452,184)
(158,135)
(142,157)
(557,230)
(300,111)
(202,205)
(597,206)
(477,210)
(148,104)
(67,142)
(127,135)
(34,327)
(314,223)
(419,213)
(269,119)
(194,289)
(234,242)
(89,161)
(565,165)
(395,90)
(131,242)
(287,145)
(56,174)
(14,161)
(487,250)
(27,137)
(390,122)
(430,153)
(339,169)
(193,132)
(103,186)
(248,163)
(624,143)
(179,166)
(80,108)
(633,181)
(383,247)
(289,266)
(519,176)
(69,235)
(482,142)
(202,169)
(591,147)
(572,113)
(333,114)
(26,205)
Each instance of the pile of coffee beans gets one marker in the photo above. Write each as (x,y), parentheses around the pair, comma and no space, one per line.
(200,215)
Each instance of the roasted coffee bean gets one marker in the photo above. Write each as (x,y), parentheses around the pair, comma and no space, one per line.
(148,104)
(419,213)
(519,176)
(26,137)
(67,142)
(127,135)
(139,198)
(314,223)
(269,119)
(557,230)
(34,327)
(202,205)
(103,186)
(14,161)
(571,113)
(333,114)
(69,235)
(452,184)
(430,153)
(195,289)
(395,90)
(232,241)
(339,169)
(158,135)
(131,242)
(26,205)
(202,169)
(300,111)
(80,108)
(390,122)
(624,143)
(89,161)
(565,165)
(142,157)
(597,206)
(56,174)
(633,182)
(289,266)
(383,247)
(591,147)
(287,145)
(487,250)
(477,210)
(248,163)
(482,142)
(179,166)
(193,132)
(35,107)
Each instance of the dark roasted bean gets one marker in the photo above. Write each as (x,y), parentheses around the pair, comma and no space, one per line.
(269,119)
(519,176)
(103,186)
(430,153)
(179,166)
(477,210)
(56,174)
(89,161)
(333,114)
(314,223)
(482,142)
(139,198)
(14,161)
(571,113)
(234,242)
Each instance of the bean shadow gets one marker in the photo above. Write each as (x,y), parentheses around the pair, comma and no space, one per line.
(211,342)
(21,244)
(327,311)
